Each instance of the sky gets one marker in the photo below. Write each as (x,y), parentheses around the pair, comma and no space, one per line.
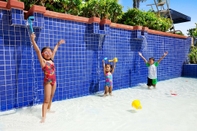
(187,7)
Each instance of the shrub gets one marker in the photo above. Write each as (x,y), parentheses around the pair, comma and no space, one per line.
(148,19)
(64,6)
(193,55)
(193,50)
(193,33)
(109,9)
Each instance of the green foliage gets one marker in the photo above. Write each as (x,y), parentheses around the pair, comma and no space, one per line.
(72,6)
(29,3)
(193,32)
(64,6)
(115,11)
(88,8)
(109,9)
(193,55)
(102,8)
(193,50)
(91,8)
(135,17)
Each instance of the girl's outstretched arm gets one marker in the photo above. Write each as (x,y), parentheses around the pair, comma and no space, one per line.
(140,54)
(164,55)
(56,47)
(36,48)
(114,66)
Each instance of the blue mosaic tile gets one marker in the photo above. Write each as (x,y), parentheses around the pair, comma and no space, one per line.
(38,20)
(16,17)
(190,70)
(79,61)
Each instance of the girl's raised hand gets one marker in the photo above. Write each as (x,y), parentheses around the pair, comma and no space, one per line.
(140,54)
(165,53)
(61,42)
(33,36)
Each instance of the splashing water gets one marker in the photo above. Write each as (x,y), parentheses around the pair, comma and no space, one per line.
(35,89)
(142,50)
(163,44)
(100,44)
(144,44)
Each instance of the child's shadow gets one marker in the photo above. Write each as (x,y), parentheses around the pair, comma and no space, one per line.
(132,111)
(142,86)
(33,110)
(99,94)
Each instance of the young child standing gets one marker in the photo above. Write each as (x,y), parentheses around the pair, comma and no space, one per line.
(152,69)
(108,70)
(46,57)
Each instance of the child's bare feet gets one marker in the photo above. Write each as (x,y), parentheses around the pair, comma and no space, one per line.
(110,94)
(49,111)
(105,95)
(42,120)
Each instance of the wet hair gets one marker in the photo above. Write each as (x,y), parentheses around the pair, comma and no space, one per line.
(110,66)
(43,49)
(152,58)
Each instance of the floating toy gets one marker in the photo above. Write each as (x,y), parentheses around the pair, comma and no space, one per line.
(114,60)
(173,93)
(136,104)
(105,58)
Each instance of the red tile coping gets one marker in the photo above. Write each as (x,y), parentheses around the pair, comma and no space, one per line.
(66,16)
(15,4)
(105,21)
(94,19)
(121,26)
(35,8)
(127,27)
(42,10)
(3,4)
(166,34)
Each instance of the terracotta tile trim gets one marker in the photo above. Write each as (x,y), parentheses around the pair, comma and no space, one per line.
(94,20)
(3,5)
(127,27)
(121,26)
(66,16)
(15,4)
(36,8)
(105,21)
(166,34)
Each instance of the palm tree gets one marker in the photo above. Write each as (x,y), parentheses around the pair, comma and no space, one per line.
(136,3)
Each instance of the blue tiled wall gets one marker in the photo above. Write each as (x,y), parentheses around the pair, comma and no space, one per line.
(79,61)
(190,70)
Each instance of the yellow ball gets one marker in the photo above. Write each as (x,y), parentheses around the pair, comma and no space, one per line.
(136,104)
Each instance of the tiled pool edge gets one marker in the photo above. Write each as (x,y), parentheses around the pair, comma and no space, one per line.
(189,70)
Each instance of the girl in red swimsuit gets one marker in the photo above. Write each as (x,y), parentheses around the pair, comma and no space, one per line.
(46,61)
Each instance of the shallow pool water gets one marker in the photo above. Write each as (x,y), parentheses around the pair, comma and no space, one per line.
(161,111)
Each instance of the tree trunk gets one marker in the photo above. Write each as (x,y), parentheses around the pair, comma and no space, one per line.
(136,3)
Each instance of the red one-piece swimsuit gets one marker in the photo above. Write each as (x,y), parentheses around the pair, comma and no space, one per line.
(49,73)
